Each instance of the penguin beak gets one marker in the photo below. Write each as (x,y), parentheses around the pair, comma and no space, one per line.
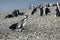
(26,16)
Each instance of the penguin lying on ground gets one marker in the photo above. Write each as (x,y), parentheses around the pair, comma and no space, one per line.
(9,16)
(19,26)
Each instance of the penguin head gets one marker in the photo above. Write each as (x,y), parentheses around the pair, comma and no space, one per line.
(56,8)
(18,11)
(25,16)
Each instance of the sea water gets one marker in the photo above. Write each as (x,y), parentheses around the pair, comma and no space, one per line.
(9,5)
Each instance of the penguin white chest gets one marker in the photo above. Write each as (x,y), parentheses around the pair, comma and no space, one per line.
(24,22)
(19,26)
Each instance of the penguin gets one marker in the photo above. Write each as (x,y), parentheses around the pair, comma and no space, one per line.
(47,10)
(34,10)
(9,16)
(20,25)
(57,12)
(41,11)
(15,13)
(13,26)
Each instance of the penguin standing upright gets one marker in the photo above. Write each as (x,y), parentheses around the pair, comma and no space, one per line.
(57,12)
(47,11)
(34,10)
(41,11)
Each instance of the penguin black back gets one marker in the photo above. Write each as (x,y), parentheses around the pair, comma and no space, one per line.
(34,10)
(13,26)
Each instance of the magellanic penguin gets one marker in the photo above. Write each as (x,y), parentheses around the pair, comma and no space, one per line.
(57,12)
(22,23)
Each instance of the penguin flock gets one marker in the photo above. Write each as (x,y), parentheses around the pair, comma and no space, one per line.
(20,25)
(46,10)
(15,13)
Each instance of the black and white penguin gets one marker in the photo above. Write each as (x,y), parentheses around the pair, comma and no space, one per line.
(34,10)
(41,11)
(9,16)
(20,25)
(57,12)
(13,26)
(47,10)
(15,13)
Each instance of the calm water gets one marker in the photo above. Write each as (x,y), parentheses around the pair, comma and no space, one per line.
(7,5)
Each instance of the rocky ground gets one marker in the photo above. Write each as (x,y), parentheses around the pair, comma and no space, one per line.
(38,27)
